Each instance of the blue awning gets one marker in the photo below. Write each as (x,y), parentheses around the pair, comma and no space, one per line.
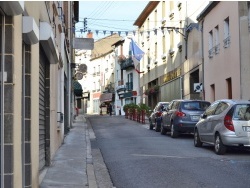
(77,88)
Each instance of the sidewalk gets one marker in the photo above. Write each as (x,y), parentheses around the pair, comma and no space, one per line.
(72,165)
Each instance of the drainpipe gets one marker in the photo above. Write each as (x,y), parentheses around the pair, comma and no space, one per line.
(202,60)
(2,100)
(70,70)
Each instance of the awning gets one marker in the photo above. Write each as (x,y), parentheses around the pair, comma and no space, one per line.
(47,41)
(30,30)
(12,8)
(77,88)
(128,94)
(106,97)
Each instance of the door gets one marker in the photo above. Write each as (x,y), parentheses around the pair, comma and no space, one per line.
(42,115)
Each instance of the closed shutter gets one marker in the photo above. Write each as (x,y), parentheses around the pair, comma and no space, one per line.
(42,112)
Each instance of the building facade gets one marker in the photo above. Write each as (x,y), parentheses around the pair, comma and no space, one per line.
(99,80)
(226,45)
(36,53)
(172,64)
(126,77)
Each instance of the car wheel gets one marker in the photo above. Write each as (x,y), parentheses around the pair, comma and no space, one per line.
(219,147)
(150,125)
(197,140)
(173,133)
(163,130)
(157,126)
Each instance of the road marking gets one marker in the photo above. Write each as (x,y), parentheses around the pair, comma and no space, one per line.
(161,156)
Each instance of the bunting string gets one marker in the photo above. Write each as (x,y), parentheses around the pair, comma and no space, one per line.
(153,31)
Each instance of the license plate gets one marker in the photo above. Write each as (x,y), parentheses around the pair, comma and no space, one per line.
(247,129)
(195,118)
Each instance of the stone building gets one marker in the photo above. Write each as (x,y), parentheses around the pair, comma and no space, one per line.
(36,54)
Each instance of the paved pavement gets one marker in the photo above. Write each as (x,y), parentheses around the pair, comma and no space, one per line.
(74,165)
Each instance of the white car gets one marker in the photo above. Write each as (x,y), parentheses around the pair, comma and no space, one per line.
(224,123)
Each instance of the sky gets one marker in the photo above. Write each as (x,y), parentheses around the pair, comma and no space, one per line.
(104,17)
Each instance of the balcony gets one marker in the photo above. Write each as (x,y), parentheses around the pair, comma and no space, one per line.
(127,64)
(129,86)
(217,49)
(226,42)
(120,88)
(210,52)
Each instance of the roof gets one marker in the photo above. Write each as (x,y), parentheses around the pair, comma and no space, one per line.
(146,12)
(103,46)
(206,10)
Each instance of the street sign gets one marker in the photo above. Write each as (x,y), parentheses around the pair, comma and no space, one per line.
(198,87)
(83,43)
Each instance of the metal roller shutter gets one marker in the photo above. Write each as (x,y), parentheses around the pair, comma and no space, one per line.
(42,112)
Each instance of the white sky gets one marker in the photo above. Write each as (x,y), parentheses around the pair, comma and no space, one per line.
(108,16)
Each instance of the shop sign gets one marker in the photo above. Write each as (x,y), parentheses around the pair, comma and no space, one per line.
(172,75)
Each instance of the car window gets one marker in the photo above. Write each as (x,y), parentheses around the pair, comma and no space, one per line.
(220,108)
(210,110)
(171,105)
(195,105)
(242,112)
(175,105)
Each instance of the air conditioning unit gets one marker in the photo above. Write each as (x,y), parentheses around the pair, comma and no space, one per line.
(155,61)
(148,66)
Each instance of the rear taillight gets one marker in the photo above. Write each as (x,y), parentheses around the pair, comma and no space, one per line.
(158,114)
(180,114)
(228,122)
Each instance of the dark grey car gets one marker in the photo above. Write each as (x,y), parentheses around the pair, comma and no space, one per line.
(182,115)
(160,106)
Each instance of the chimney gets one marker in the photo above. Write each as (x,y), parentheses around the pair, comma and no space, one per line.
(89,35)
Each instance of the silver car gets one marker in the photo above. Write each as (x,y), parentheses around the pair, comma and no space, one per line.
(224,123)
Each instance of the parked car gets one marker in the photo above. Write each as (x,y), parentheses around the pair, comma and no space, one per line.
(225,123)
(155,117)
(181,116)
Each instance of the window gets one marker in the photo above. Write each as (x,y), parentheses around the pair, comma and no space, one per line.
(217,40)
(210,44)
(210,110)
(163,9)
(229,88)
(156,51)
(226,33)
(164,44)
(212,92)
(220,108)
(248,4)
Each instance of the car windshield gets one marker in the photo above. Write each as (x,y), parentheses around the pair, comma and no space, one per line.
(195,105)
(242,112)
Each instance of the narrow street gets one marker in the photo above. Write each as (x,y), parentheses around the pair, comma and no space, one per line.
(137,157)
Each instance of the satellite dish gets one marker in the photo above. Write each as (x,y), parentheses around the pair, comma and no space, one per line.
(82,68)
(79,75)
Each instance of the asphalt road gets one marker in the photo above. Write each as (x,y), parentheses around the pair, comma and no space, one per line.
(137,157)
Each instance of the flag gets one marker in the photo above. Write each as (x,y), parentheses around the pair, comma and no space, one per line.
(137,54)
